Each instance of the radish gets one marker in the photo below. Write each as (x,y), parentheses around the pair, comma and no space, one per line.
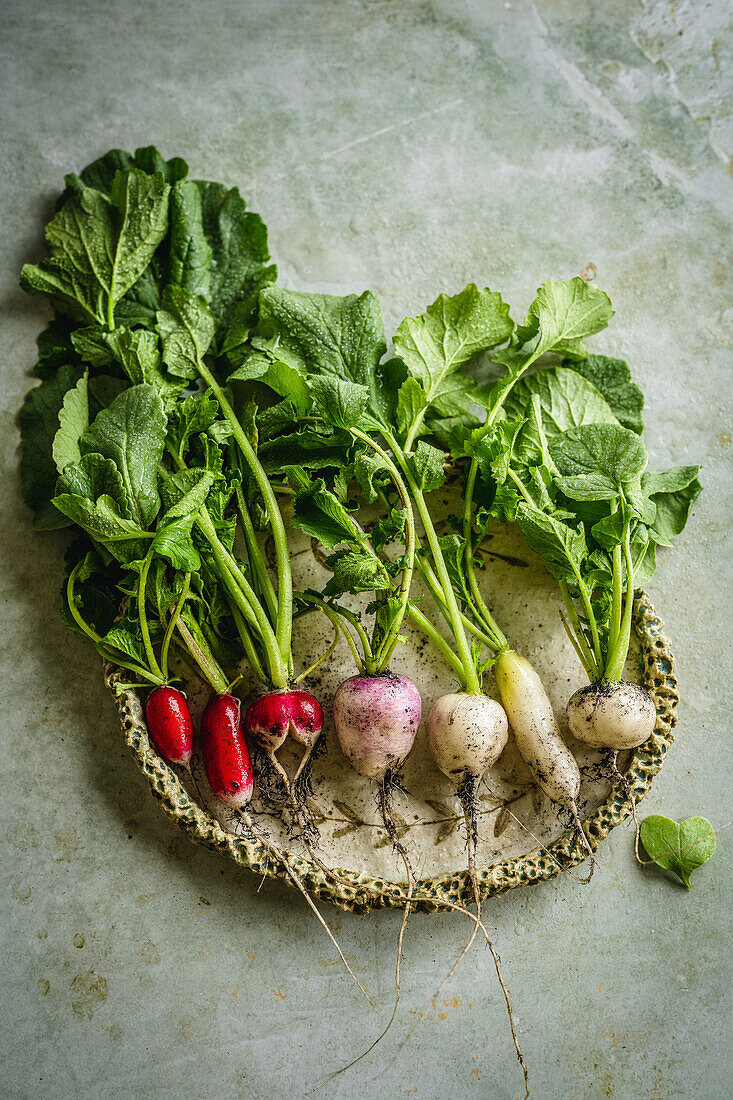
(169,724)
(612,716)
(272,717)
(377,719)
(224,751)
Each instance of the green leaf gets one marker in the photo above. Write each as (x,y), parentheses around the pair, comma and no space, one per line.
(566,313)
(356,571)
(329,335)
(238,241)
(131,432)
(566,400)
(673,493)
(125,636)
(282,378)
(99,247)
(185,492)
(560,546)
(190,416)
(39,422)
(427,467)
(680,848)
(562,314)
(612,379)
(318,512)
(450,332)
(92,494)
(73,422)
(54,347)
(189,254)
(598,461)
(307,448)
(342,403)
(173,542)
(411,401)
(369,471)
(186,326)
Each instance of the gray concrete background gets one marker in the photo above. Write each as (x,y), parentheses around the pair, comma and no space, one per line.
(407,146)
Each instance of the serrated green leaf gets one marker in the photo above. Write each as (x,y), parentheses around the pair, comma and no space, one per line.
(427,467)
(356,571)
(39,421)
(342,403)
(73,422)
(189,252)
(99,247)
(186,327)
(131,432)
(561,547)
(612,379)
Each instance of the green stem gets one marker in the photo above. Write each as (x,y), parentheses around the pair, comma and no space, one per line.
(334,616)
(172,626)
(142,616)
(617,658)
(588,608)
(103,650)
(582,647)
(470,676)
(243,595)
(440,643)
(616,597)
(387,646)
(256,559)
(282,555)
(204,658)
(248,645)
(436,592)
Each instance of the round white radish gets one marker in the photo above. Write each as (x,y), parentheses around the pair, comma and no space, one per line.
(466,734)
(612,716)
(377,719)
(536,732)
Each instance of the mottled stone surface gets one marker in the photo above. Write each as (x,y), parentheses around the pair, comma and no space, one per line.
(408,146)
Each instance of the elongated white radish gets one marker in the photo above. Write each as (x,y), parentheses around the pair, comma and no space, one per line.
(538,737)
(536,731)
(614,716)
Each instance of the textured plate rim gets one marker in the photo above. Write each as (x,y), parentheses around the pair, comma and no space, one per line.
(359,892)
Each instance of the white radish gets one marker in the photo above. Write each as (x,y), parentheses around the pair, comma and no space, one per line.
(538,735)
(466,734)
(615,716)
(612,716)
(536,731)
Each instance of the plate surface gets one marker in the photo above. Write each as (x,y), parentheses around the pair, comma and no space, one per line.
(524,837)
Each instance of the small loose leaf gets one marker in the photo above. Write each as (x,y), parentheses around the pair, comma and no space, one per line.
(678,847)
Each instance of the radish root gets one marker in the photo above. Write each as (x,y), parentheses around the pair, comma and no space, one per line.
(384,802)
(275,853)
(469,802)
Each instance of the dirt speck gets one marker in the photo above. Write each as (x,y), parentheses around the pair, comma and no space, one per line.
(21,891)
(68,842)
(725,439)
(79,940)
(89,991)
(149,954)
(44,986)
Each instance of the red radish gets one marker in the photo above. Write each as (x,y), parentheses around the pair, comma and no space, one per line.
(272,717)
(377,719)
(224,750)
(169,724)
(269,720)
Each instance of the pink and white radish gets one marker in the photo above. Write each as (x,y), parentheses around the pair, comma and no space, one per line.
(376,720)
